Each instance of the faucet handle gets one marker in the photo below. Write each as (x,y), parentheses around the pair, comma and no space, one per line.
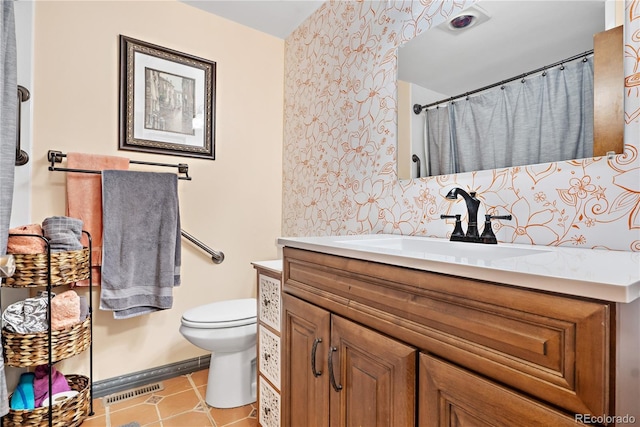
(490,217)
(487,234)
(457,234)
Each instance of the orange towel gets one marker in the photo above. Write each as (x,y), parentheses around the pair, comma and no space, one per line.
(65,310)
(24,244)
(84,198)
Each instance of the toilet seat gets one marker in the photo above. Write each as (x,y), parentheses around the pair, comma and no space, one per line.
(222,314)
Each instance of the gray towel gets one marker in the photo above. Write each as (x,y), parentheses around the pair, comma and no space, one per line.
(64,233)
(140,242)
(8,110)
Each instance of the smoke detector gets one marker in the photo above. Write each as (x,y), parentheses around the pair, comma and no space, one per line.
(468,18)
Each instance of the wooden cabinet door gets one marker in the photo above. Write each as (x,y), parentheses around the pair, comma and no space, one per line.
(305,388)
(608,92)
(372,378)
(454,397)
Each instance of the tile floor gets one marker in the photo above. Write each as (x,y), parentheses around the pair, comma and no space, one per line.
(180,404)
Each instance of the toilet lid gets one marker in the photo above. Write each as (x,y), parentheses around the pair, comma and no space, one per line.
(222,314)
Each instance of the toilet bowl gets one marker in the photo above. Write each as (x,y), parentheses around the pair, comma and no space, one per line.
(228,330)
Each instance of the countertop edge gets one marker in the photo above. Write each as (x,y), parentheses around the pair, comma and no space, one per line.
(560,285)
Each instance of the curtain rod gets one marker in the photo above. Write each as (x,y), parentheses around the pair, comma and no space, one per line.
(417,108)
(56,157)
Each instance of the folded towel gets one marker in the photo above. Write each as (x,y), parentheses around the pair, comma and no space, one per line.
(84,198)
(24,244)
(23,397)
(64,233)
(41,383)
(27,316)
(141,242)
(65,310)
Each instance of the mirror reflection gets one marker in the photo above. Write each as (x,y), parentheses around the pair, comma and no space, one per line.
(549,112)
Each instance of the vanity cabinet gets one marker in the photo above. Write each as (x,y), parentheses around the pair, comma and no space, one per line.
(487,351)
(339,373)
(268,349)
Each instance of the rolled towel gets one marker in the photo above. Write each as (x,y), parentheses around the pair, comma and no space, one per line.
(7,265)
(65,310)
(23,397)
(84,308)
(25,244)
(64,233)
(27,316)
(41,383)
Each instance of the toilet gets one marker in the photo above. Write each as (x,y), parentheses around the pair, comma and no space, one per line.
(228,330)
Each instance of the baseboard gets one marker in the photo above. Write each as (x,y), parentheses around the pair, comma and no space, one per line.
(140,378)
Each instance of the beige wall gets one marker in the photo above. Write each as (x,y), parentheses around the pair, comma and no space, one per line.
(233,203)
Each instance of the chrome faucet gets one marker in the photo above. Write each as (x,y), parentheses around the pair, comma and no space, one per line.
(472,234)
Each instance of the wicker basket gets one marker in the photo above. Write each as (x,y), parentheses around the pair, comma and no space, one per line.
(69,413)
(24,350)
(66,267)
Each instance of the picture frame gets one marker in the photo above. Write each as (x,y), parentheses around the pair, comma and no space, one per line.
(167,101)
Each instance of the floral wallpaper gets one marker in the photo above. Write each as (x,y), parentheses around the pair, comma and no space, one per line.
(339,165)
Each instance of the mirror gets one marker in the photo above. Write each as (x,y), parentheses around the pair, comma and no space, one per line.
(507,39)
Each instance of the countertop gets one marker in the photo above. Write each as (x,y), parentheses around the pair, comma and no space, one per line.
(274,265)
(591,273)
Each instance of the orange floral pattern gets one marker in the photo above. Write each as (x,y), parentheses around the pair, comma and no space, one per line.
(340,144)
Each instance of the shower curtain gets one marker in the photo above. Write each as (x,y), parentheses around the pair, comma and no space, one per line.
(544,118)
(8,118)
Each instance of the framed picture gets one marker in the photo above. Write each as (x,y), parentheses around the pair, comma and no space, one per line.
(167,101)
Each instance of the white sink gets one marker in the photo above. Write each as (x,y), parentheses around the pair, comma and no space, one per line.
(422,246)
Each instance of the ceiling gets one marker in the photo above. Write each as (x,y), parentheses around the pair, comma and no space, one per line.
(276,17)
(519,36)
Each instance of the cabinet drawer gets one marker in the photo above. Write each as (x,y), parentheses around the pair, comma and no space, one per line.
(269,408)
(554,347)
(269,354)
(269,301)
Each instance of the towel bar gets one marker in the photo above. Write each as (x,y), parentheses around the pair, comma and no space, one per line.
(57,156)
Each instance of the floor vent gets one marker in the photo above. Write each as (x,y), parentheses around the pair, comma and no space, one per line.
(130,394)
